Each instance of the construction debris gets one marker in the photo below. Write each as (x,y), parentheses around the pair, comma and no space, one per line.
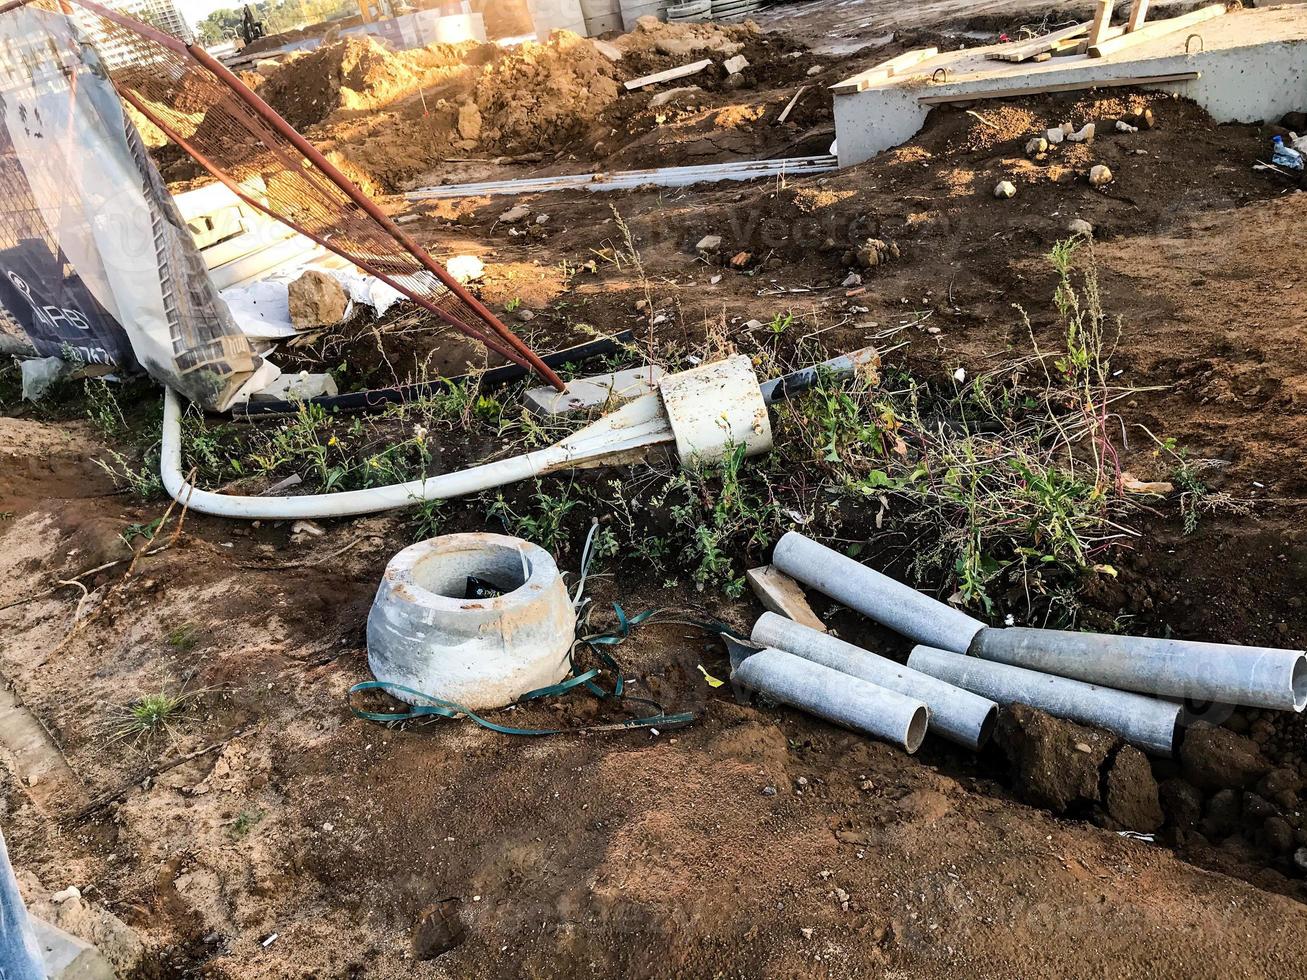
(671,74)
(780,594)
(1005,189)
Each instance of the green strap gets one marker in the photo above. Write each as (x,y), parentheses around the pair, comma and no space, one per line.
(430,707)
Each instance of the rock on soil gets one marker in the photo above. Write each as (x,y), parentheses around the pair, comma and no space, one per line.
(1131,795)
(1216,758)
(317,299)
(1182,802)
(1048,768)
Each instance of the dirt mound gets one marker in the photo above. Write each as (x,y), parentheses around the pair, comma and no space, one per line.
(541,95)
(652,35)
(359,73)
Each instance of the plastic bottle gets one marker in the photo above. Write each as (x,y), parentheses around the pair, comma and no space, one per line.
(1284,156)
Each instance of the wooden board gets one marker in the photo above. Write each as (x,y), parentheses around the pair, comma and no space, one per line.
(1158,28)
(885,70)
(1138,14)
(789,107)
(1102,21)
(1086,83)
(1023,50)
(671,74)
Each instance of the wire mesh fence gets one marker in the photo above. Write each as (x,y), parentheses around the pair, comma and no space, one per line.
(197,103)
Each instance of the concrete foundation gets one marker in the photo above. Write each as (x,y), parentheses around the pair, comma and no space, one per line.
(1246,66)
(65,957)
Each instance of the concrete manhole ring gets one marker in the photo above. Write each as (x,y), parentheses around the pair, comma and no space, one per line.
(483,652)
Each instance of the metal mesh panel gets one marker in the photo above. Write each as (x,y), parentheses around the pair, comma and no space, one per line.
(237,138)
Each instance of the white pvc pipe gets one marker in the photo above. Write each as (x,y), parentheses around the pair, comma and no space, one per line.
(1261,677)
(637,424)
(1145,722)
(955,713)
(865,590)
(826,693)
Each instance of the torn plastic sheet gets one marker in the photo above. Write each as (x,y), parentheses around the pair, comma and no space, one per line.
(96,264)
(262,309)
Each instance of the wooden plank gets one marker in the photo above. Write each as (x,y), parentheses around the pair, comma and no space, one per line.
(671,74)
(1082,84)
(782,595)
(1158,28)
(785,113)
(1021,50)
(1138,14)
(886,69)
(1102,21)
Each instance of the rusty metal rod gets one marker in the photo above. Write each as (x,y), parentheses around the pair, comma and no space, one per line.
(217,172)
(370,207)
(288,132)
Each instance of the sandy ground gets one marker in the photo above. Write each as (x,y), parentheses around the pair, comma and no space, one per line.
(276,835)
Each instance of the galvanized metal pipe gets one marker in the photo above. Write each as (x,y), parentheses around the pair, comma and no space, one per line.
(848,701)
(1145,722)
(1261,677)
(955,714)
(902,609)
(628,180)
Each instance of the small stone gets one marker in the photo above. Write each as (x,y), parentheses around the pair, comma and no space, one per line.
(814,70)
(672,94)
(1054,136)
(1036,146)
(469,121)
(1124,127)
(525,315)
(514,214)
(1279,835)
(735,65)
(851,280)
(71,892)
(1084,135)
(33,779)
(1082,747)
(1099,175)
(841,896)
(1079,226)
(709,243)
(1255,808)
(805,933)
(328,826)
(310,528)
(769,791)
(1300,859)
(801,781)
(1005,189)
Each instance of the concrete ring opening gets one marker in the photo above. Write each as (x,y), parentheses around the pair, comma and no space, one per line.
(916,733)
(444,570)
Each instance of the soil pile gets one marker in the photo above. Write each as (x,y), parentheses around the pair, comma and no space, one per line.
(541,95)
(359,73)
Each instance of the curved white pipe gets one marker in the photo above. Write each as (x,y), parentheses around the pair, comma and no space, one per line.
(637,424)
(346,504)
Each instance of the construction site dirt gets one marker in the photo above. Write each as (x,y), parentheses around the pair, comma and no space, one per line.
(269,832)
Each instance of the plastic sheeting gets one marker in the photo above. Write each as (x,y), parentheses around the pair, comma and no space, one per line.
(96,265)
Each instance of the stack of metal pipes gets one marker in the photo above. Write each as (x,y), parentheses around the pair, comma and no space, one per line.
(961,670)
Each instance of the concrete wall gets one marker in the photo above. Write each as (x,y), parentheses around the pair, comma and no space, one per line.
(1243,84)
